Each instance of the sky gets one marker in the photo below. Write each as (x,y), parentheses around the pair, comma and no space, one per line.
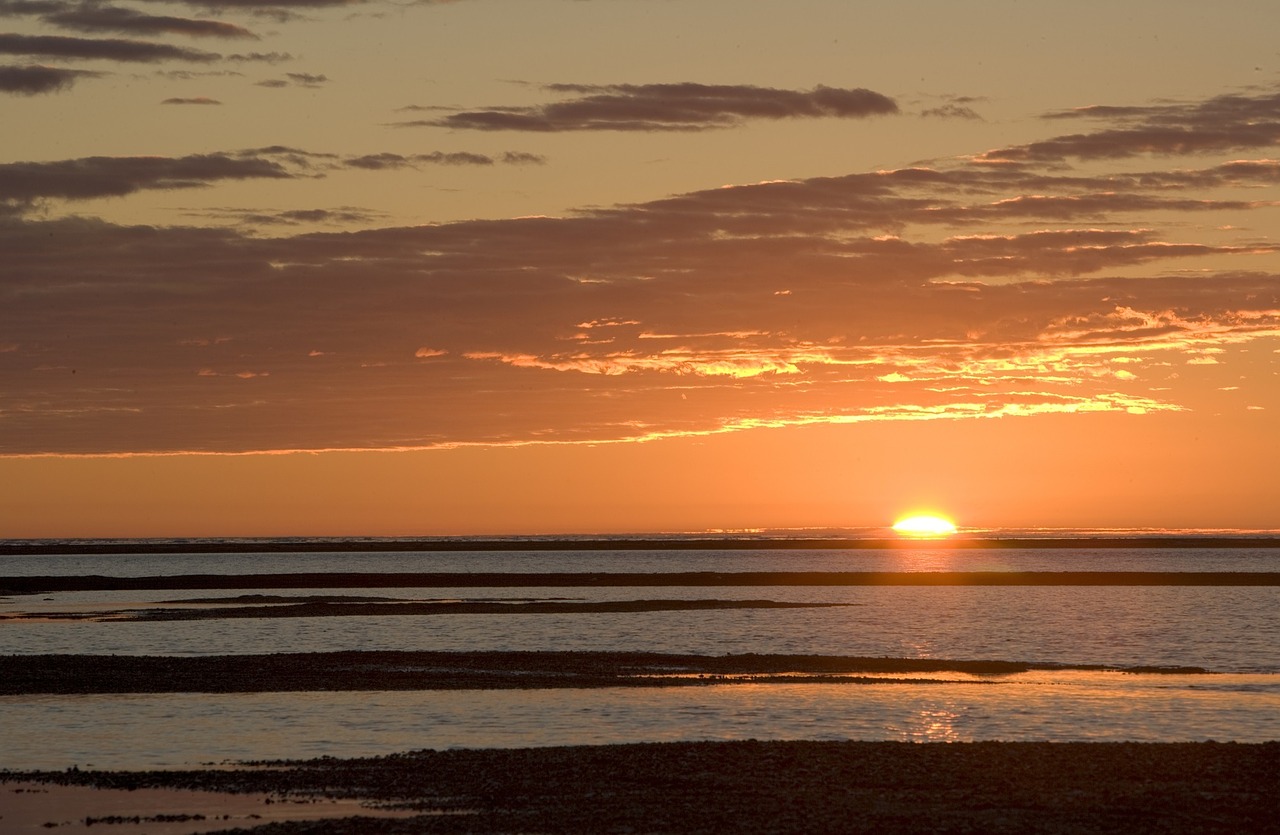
(310,267)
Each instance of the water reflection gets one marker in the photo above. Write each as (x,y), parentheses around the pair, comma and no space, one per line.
(923,558)
(175,730)
(932,725)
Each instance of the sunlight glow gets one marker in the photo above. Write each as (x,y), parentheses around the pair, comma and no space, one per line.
(924,525)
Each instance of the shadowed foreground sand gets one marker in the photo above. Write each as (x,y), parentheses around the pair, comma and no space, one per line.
(27,808)
(773,787)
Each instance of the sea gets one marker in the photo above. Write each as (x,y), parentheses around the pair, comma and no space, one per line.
(1087,641)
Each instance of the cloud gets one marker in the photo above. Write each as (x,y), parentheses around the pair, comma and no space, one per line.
(94,17)
(384,161)
(667,107)
(257,5)
(195,100)
(189,75)
(341,216)
(951,111)
(1223,123)
(261,57)
(274,8)
(295,79)
(307,79)
(90,177)
(961,290)
(523,158)
(18,8)
(633,322)
(108,49)
(33,79)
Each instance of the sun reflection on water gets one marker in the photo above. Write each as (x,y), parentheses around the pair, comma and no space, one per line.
(931,724)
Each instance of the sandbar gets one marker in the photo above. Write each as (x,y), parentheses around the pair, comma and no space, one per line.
(15,585)
(392,670)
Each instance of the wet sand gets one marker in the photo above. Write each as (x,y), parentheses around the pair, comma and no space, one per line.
(776,787)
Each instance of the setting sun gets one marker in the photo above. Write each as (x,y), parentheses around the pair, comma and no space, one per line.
(924,525)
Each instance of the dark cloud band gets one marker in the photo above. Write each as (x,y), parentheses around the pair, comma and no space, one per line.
(80,179)
(31,80)
(1222,123)
(668,107)
(101,18)
(109,49)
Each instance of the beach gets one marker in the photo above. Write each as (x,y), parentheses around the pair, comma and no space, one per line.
(752,786)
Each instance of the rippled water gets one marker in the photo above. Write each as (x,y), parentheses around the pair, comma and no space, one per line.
(167,731)
(800,559)
(1233,631)
(1223,628)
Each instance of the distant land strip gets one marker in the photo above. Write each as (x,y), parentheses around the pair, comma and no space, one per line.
(254,546)
(391,670)
(329,609)
(358,580)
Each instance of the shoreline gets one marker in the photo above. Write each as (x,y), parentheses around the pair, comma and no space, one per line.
(750,786)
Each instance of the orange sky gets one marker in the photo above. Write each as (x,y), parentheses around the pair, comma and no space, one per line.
(327,281)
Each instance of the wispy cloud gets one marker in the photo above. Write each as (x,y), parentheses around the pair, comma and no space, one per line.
(109,49)
(386,161)
(951,111)
(33,79)
(193,100)
(666,107)
(260,57)
(253,218)
(307,79)
(80,179)
(257,5)
(294,79)
(1222,123)
(101,17)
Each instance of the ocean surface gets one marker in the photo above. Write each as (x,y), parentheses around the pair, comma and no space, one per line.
(1231,631)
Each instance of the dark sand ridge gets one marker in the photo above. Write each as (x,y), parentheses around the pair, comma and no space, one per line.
(776,787)
(305,608)
(384,670)
(356,580)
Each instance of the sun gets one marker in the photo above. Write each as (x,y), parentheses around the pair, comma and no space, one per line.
(924,525)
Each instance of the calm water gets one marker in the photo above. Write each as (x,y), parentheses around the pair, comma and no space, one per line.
(1232,631)
(916,559)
